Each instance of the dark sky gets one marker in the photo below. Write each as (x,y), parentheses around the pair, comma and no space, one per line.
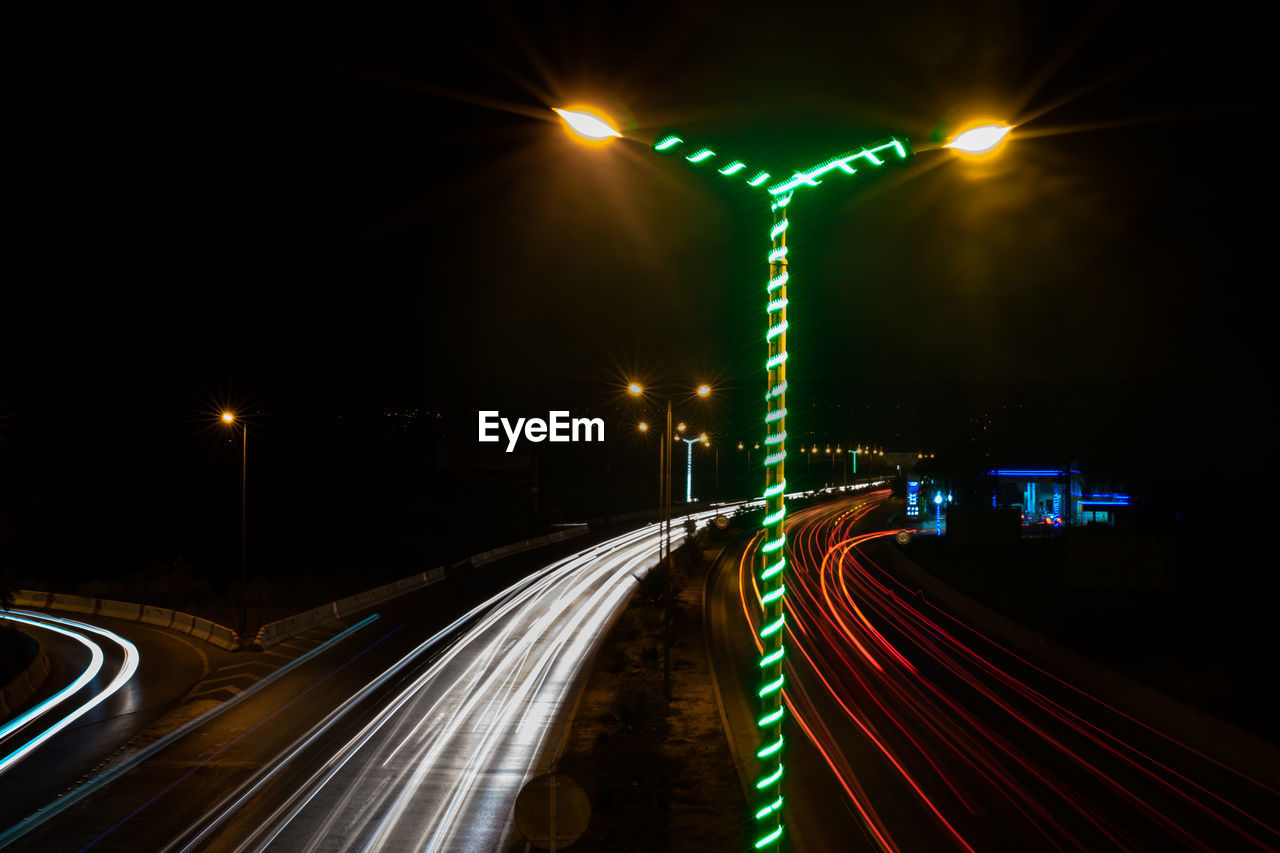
(372,209)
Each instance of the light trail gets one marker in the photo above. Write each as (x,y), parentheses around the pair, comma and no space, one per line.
(439,764)
(995,749)
(87,675)
(73,629)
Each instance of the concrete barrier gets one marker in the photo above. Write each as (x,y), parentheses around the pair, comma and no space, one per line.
(525,545)
(20,689)
(161,617)
(31,598)
(73,603)
(274,633)
(119,609)
(223,638)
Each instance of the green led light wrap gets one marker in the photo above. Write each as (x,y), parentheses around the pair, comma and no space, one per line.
(769,571)
(703,156)
(809,177)
(772,561)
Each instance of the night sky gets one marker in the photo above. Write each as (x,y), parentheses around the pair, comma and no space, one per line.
(314,214)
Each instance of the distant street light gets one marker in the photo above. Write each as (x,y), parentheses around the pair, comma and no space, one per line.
(688,477)
(230,418)
(665,453)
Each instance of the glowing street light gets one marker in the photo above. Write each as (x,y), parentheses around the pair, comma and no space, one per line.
(587,124)
(665,453)
(980,140)
(229,418)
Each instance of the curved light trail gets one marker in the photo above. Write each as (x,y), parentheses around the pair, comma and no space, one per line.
(439,764)
(87,675)
(995,751)
(77,631)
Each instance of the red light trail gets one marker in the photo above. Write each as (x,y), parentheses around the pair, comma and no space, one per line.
(997,751)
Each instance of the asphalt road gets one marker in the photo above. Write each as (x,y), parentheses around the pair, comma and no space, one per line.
(911,731)
(414,731)
(167,666)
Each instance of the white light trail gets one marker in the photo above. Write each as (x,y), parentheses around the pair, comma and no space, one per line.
(439,765)
(71,627)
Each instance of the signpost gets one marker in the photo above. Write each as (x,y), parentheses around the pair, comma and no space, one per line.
(552,811)
(913,499)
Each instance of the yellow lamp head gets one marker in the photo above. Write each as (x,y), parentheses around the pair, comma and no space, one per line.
(588,125)
(982,139)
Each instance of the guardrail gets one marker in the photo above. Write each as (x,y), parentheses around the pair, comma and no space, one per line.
(202,629)
(274,633)
(525,545)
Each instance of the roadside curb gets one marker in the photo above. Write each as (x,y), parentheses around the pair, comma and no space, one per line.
(18,692)
(738,762)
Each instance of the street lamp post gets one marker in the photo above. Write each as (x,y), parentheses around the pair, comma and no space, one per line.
(688,477)
(229,418)
(769,573)
(768,807)
(665,456)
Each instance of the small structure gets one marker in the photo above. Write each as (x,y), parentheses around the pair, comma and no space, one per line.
(1054,496)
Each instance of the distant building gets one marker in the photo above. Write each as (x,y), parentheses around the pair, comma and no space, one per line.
(1054,496)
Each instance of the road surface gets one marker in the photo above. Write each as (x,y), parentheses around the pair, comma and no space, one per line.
(416,731)
(911,731)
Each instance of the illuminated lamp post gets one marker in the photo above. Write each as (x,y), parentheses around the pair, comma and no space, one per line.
(664,518)
(768,806)
(229,418)
(688,477)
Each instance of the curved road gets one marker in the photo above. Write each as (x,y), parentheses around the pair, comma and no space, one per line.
(108,681)
(415,731)
(911,731)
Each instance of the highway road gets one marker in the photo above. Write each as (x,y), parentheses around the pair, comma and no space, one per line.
(108,681)
(414,731)
(912,731)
